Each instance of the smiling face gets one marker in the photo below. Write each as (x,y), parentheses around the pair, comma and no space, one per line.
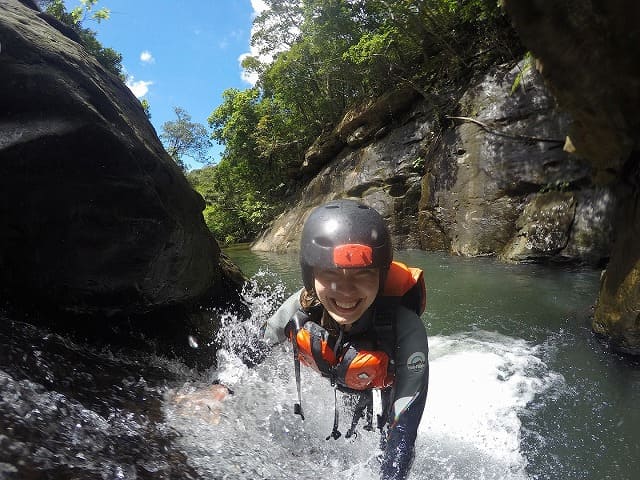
(347,293)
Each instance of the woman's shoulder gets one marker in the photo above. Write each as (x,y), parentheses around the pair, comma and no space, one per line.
(274,327)
(408,321)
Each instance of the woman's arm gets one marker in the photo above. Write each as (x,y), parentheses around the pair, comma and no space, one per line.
(274,327)
(408,396)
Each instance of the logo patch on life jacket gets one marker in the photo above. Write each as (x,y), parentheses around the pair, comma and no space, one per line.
(416,362)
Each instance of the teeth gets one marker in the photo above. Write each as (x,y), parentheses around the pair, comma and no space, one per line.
(346,305)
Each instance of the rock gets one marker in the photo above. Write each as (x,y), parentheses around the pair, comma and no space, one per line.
(543,228)
(489,171)
(482,187)
(384,174)
(587,53)
(589,57)
(95,217)
(358,127)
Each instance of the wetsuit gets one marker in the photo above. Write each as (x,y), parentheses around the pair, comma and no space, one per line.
(405,400)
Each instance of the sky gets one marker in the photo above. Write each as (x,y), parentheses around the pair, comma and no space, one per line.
(179,53)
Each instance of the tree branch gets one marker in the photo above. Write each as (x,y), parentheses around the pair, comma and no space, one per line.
(493,131)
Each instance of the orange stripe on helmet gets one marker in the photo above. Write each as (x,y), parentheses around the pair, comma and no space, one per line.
(352,255)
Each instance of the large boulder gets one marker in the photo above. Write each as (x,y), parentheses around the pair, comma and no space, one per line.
(588,52)
(95,217)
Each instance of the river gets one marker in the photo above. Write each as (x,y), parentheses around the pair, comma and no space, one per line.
(519,389)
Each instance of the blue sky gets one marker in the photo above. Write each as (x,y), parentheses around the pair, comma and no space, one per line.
(179,53)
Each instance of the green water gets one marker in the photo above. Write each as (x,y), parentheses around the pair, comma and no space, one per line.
(586,425)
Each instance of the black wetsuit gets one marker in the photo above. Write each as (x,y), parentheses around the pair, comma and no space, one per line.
(406,398)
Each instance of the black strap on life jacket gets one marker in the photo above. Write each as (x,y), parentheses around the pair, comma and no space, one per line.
(335,433)
(384,325)
(296,322)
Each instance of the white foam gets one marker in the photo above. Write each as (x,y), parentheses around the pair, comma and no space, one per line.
(479,383)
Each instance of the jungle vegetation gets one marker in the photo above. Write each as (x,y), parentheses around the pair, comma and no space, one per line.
(316,60)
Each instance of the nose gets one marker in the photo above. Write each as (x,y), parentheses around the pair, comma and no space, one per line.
(344,283)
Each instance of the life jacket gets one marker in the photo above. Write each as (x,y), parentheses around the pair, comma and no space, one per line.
(347,365)
(350,366)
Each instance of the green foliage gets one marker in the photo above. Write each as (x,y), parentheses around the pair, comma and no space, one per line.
(184,138)
(526,66)
(418,164)
(108,58)
(242,190)
(236,210)
(146,107)
(319,58)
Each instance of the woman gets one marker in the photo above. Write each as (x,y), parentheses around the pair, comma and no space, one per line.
(351,324)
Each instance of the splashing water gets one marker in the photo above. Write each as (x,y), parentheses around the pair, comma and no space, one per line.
(69,410)
(499,407)
(480,383)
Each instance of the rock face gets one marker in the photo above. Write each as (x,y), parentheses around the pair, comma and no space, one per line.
(588,51)
(500,183)
(384,174)
(496,182)
(95,218)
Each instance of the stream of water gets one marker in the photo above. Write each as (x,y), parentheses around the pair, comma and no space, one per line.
(519,389)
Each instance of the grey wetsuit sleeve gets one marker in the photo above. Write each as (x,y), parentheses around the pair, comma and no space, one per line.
(408,396)
(412,350)
(274,328)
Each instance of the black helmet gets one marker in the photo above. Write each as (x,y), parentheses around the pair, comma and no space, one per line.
(344,234)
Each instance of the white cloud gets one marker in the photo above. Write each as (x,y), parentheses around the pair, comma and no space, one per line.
(250,78)
(146,57)
(139,87)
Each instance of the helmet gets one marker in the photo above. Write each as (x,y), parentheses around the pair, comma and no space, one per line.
(344,234)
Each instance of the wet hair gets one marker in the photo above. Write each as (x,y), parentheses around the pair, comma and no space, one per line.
(311,304)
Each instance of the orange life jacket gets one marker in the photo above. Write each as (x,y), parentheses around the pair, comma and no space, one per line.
(347,365)
(350,366)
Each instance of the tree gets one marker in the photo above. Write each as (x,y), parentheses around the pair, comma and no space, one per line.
(184,138)
(86,11)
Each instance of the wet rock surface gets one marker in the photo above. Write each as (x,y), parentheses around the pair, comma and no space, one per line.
(95,217)
(588,55)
